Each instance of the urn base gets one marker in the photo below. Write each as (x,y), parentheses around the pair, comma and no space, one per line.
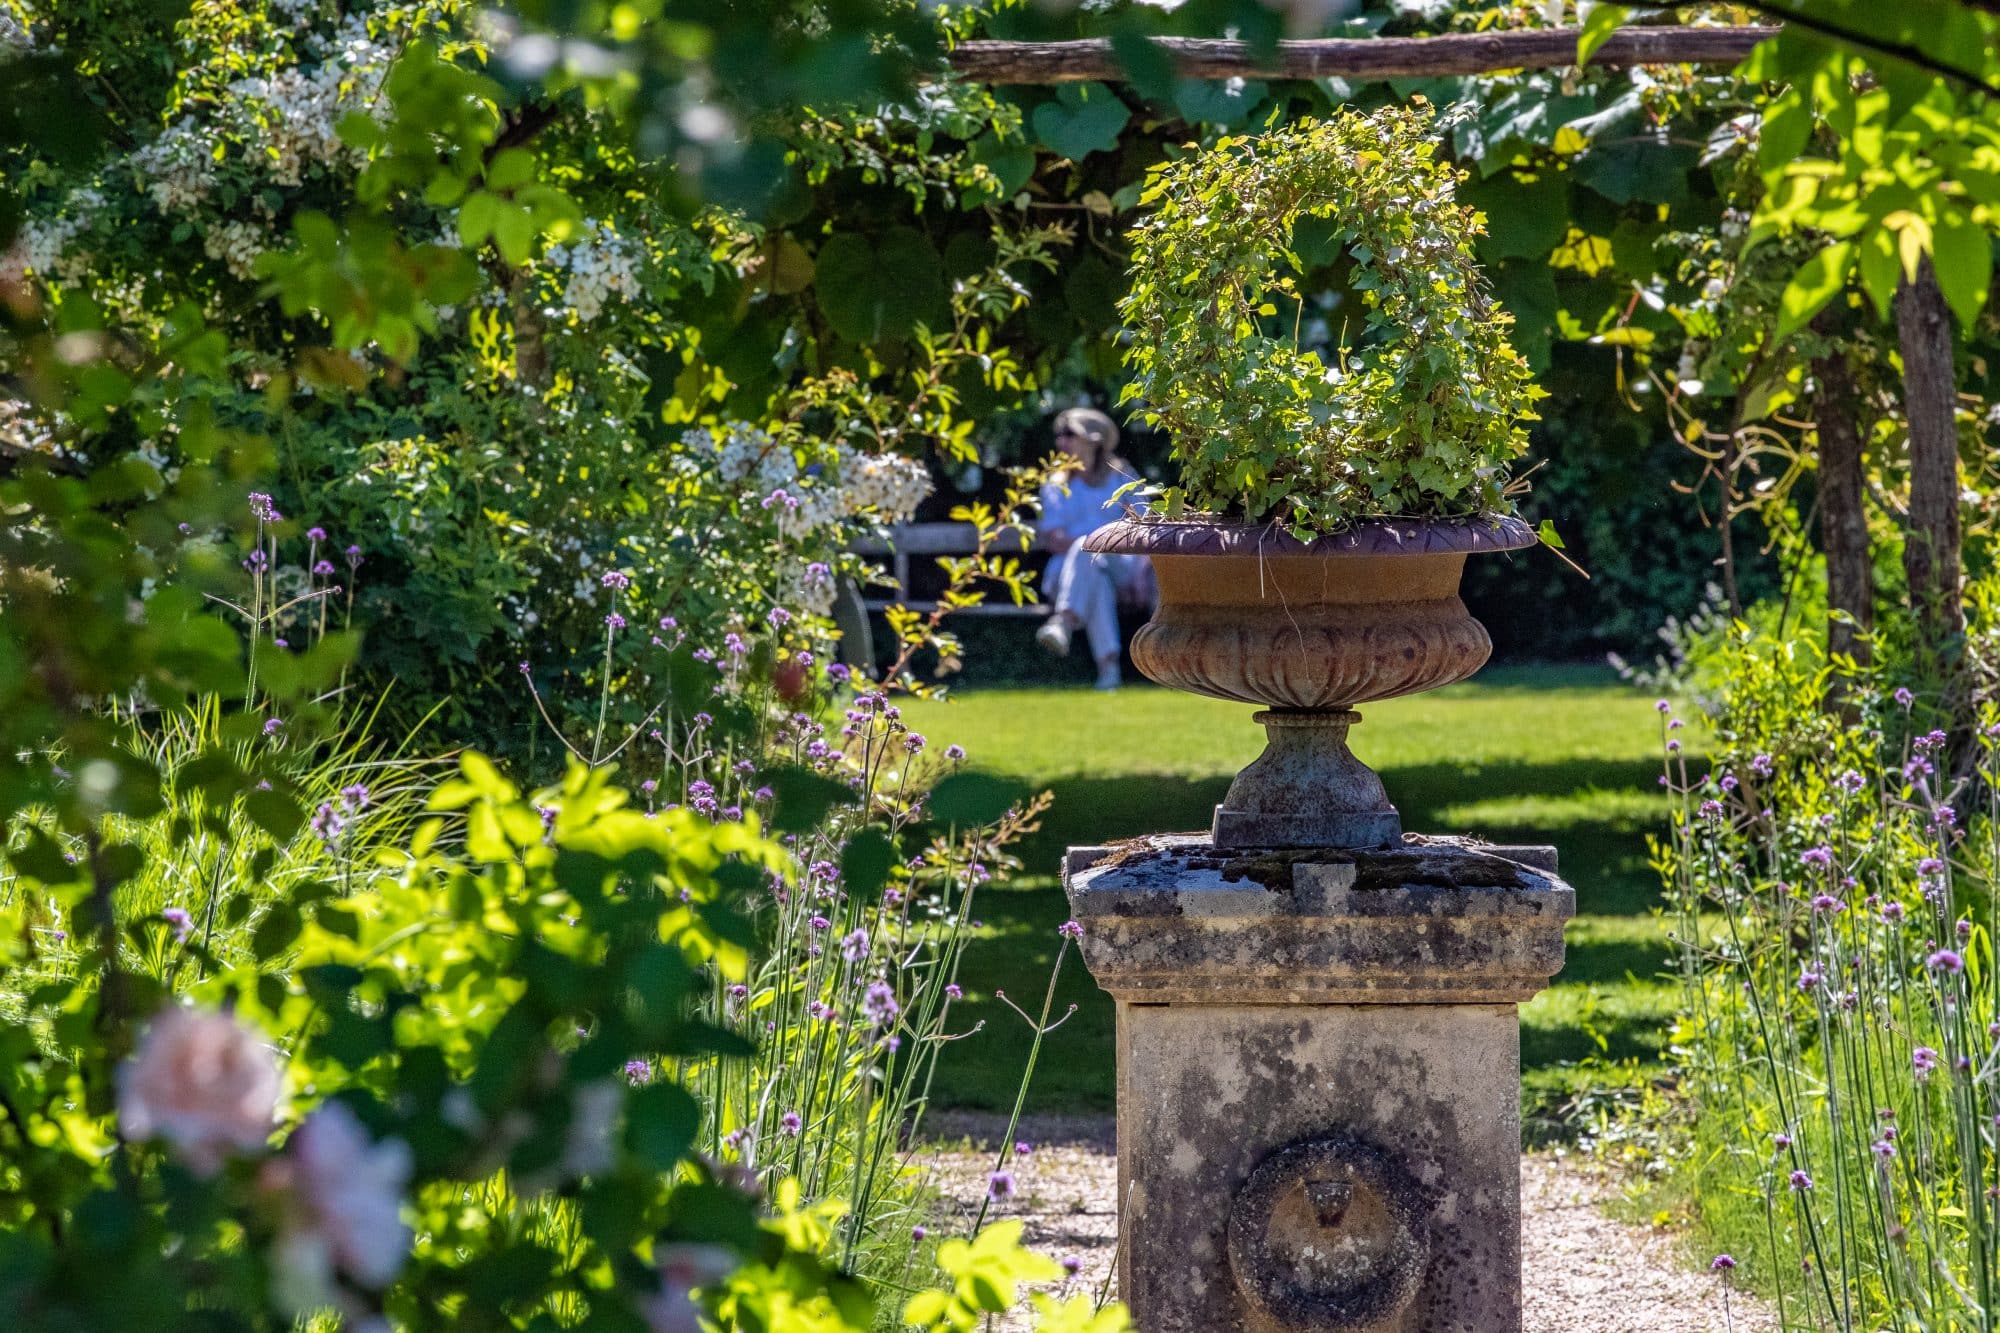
(1307,789)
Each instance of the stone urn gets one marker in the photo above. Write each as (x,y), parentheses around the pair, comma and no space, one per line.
(1310,630)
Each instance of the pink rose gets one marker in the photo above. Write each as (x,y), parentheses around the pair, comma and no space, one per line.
(344,1203)
(202,1082)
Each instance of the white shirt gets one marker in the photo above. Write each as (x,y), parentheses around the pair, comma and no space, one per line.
(1084,507)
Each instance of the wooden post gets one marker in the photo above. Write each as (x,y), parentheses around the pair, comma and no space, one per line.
(1358,58)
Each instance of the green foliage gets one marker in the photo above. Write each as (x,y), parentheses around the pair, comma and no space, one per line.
(1912,167)
(1423,417)
(1831,881)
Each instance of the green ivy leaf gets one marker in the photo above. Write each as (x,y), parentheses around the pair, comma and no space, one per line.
(876,287)
(1084,118)
(1644,170)
(1012,164)
(1217,101)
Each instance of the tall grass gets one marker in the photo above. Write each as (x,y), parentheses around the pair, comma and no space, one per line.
(210,871)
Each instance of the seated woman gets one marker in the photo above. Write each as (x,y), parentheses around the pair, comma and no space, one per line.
(1086,588)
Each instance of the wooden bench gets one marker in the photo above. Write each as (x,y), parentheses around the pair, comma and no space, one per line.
(935,539)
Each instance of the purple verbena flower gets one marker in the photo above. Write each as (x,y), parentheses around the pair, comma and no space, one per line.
(791,1123)
(1721,1263)
(879,1005)
(1070,930)
(1000,1186)
(261,508)
(1946,960)
(615,578)
(315,534)
(178,918)
(327,823)
(1801,1181)
(638,1072)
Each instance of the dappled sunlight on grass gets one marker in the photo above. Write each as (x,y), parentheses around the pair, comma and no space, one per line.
(1560,755)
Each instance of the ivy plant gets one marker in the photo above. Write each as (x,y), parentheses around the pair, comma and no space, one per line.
(1419,416)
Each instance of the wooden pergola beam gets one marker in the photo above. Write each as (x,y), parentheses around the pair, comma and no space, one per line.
(1362,58)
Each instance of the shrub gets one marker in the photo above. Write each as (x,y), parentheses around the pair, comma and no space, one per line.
(1421,418)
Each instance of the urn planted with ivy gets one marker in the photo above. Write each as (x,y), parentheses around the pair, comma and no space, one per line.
(1334,476)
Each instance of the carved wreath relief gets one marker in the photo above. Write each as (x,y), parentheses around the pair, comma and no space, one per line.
(1329,1235)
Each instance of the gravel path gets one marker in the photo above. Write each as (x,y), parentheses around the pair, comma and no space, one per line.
(1587,1273)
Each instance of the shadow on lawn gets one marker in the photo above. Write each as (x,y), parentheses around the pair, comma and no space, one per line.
(1604,858)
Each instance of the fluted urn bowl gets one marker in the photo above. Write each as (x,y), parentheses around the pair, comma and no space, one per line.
(1309,630)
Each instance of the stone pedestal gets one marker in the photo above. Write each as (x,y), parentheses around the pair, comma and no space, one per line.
(1319,1078)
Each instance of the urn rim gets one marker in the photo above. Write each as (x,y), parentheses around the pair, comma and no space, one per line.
(1152,536)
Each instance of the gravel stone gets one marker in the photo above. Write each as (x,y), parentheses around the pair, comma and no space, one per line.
(1586,1272)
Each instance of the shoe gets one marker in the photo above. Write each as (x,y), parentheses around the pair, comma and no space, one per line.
(1109,677)
(1054,636)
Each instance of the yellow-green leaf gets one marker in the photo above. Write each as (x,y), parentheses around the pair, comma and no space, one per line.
(1597,29)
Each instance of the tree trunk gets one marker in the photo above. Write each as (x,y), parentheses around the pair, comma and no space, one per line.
(1931,543)
(1843,521)
(531,348)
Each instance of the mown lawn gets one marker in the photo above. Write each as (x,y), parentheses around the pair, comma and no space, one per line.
(1561,755)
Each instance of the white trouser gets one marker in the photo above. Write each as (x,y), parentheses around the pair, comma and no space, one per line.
(1086,585)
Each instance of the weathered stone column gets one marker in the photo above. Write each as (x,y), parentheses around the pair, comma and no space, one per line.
(1319,1078)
